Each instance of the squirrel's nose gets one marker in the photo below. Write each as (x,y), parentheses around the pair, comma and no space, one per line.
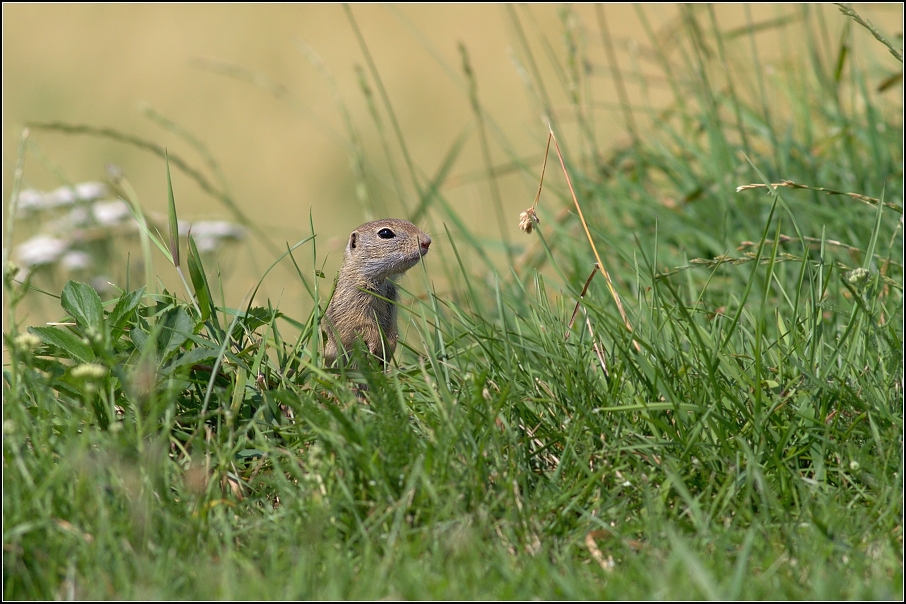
(425,242)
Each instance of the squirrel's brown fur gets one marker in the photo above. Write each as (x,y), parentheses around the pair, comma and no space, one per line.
(363,305)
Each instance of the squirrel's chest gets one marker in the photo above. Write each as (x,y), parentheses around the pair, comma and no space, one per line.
(364,304)
(383,304)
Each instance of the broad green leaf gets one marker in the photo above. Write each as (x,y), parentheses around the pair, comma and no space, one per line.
(194,356)
(84,305)
(175,327)
(126,304)
(64,339)
(139,338)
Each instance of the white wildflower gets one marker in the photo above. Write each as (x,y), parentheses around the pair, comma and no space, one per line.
(41,249)
(62,196)
(77,217)
(27,340)
(89,191)
(109,213)
(76,260)
(31,200)
(220,229)
(206,244)
(209,233)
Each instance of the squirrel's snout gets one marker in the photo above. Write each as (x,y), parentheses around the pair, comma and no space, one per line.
(425,242)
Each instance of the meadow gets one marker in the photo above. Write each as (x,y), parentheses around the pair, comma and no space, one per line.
(683,378)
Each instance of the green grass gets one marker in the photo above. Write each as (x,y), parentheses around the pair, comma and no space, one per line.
(743,440)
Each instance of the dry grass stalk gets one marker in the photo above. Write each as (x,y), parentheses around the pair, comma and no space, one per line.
(872,201)
(600,265)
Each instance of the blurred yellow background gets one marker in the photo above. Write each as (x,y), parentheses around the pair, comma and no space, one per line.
(285,158)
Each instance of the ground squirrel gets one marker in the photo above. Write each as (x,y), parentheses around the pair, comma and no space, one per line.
(377,253)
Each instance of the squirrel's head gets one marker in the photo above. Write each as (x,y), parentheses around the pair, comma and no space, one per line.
(385,249)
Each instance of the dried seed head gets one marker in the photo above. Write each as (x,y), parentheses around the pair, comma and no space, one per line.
(528,220)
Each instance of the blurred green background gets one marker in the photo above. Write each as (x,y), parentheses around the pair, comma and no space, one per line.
(282,140)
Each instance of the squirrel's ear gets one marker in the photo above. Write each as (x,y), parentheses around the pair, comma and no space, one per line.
(352,242)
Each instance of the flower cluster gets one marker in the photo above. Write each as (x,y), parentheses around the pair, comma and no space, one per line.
(32,200)
(76,224)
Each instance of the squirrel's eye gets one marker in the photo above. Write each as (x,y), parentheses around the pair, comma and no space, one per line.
(386,234)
